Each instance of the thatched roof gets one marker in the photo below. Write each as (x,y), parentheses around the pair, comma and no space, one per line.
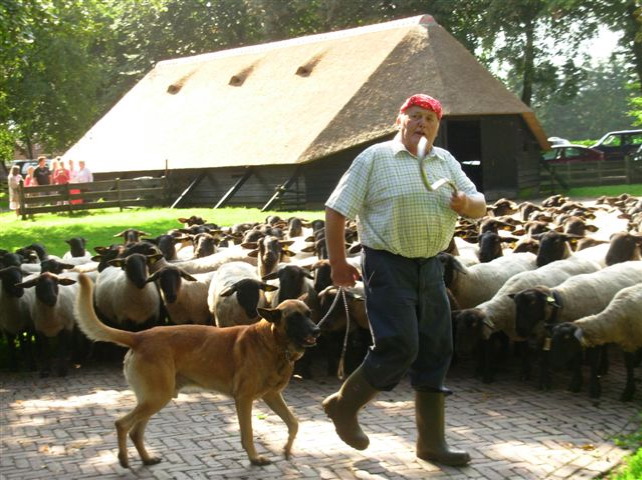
(292,101)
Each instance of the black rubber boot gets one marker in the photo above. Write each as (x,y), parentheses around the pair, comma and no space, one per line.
(343,406)
(431,441)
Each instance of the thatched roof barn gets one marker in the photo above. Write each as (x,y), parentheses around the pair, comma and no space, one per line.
(237,123)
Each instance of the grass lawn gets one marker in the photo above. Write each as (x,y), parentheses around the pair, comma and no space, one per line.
(98,227)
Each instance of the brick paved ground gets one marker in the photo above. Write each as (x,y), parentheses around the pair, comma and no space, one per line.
(63,429)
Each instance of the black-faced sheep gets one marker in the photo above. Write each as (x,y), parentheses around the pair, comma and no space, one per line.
(235,293)
(184,295)
(477,325)
(478,283)
(580,295)
(620,323)
(49,303)
(15,324)
(123,296)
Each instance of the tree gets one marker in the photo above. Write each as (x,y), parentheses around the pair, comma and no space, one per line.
(624,16)
(597,105)
(50,73)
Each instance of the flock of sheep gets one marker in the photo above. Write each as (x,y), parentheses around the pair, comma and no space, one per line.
(557,281)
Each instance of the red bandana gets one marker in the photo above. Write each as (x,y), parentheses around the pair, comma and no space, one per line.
(423,101)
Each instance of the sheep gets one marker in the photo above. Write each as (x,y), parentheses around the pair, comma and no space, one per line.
(478,283)
(13,323)
(555,246)
(77,248)
(576,297)
(184,295)
(167,244)
(123,296)
(333,329)
(235,293)
(269,251)
(490,246)
(131,235)
(210,263)
(50,306)
(475,326)
(620,323)
(540,306)
(294,281)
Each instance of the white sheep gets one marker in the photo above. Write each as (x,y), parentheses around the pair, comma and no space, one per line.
(478,283)
(620,323)
(578,296)
(476,325)
(123,295)
(235,293)
(50,306)
(14,323)
(210,263)
(184,295)
(539,307)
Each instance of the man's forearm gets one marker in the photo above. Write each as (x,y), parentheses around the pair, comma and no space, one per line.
(335,235)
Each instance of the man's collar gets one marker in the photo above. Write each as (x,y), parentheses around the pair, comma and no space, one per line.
(398,146)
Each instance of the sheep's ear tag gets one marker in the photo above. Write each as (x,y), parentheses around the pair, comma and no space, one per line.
(547,344)
(578,334)
(550,299)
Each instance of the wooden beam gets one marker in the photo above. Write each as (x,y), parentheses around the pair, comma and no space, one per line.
(235,188)
(191,187)
(281,189)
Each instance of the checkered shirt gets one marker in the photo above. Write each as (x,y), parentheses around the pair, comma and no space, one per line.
(383,190)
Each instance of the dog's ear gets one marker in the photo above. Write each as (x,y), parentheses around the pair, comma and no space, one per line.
(272,315)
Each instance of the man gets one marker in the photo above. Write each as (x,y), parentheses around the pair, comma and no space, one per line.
(403,222)
(83,175)
(42,174)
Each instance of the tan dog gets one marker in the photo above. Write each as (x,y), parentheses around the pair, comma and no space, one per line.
(246,362)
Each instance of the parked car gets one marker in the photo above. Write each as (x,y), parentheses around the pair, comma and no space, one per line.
(554,141)
(572,154)
(616,145)
(25,164)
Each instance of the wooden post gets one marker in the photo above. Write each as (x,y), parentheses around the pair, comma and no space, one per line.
(22,205)
(120,205)
(68,192)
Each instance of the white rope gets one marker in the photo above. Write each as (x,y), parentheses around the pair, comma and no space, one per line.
(341,290)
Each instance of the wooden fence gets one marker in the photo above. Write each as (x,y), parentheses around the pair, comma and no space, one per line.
(562,176)
(71,197)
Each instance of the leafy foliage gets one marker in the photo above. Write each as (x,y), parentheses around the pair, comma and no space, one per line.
(64,63)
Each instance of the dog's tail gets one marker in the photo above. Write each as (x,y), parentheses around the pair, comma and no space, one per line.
(88,320)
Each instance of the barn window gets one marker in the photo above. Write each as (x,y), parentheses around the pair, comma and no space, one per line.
(238,79)
(176,87)
(306,69)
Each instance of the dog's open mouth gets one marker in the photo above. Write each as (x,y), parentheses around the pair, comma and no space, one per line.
(310,341)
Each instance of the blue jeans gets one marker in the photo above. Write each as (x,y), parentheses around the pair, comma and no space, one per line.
(410,321)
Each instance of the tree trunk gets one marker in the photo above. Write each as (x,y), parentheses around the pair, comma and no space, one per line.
(630,32)
(529,65)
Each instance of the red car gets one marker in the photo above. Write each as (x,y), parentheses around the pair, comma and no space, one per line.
(572,154)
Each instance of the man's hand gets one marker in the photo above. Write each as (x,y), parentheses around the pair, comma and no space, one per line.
(459,202)
(344,274)
(473,206)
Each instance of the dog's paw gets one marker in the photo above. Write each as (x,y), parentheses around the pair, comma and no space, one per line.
(152,461)
(122,459)
(260,461)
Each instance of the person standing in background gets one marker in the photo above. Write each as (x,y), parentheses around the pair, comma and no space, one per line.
(13,181)
(60,175)
(30,179)
(83,175)
(42,173)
